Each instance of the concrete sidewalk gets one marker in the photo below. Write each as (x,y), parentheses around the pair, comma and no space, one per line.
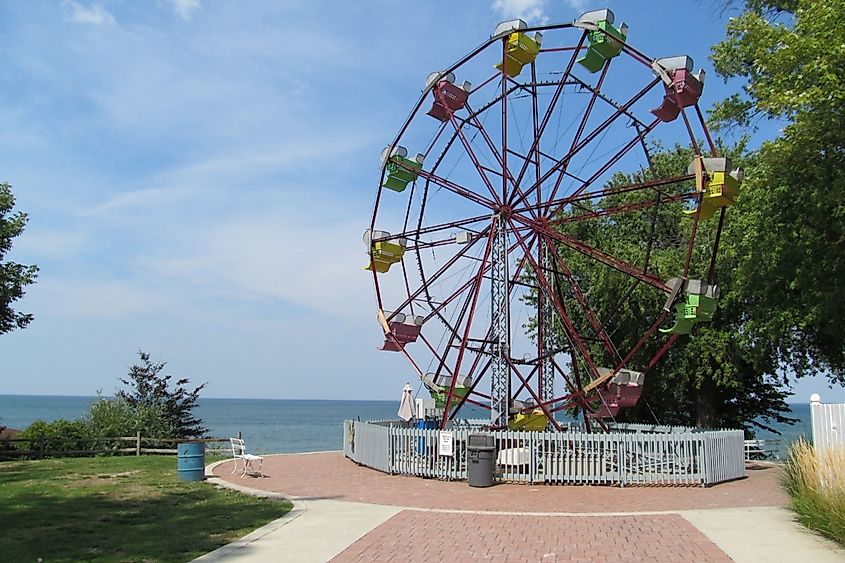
(321,528)
(760,534)
(316,530)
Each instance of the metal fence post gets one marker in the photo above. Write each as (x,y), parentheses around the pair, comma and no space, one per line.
(390,463)
(621,465)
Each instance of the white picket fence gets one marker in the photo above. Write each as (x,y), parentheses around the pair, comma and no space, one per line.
(828,422)
(630,455)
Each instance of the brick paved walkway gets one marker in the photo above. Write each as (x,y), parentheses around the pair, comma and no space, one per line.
(428,536)
(352,513)
(331,476)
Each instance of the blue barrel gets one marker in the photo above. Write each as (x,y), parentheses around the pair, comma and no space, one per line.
(427,424)
(190,462)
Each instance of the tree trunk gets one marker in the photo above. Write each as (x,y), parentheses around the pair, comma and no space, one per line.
(706,405)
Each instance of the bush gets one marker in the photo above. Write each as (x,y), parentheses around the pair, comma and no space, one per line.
(114,417)
(58,436)
(816,484)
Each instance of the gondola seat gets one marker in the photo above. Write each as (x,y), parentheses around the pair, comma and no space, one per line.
(448,97)
(399,169)
(384,252)
(402,329)
(682,87)
(624,389)
(721,188)
(520,49)
(698,305)
(605,42)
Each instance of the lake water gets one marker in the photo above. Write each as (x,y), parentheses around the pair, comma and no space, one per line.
(280,425)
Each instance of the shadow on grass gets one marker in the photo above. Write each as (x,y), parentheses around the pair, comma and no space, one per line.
(128,522)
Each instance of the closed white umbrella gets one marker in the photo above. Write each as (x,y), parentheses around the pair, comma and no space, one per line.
(406,405)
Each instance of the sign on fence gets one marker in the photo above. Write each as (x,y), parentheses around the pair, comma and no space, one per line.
(447,443)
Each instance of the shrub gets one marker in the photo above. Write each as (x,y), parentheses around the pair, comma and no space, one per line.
(58,436)
(111,417)
(816,484)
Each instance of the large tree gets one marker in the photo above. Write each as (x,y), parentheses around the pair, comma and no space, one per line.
(14,277)
(716,377)
(782,253)
(149,391)
(791,233)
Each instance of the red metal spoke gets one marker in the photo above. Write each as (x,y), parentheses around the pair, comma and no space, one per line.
(468,325)
(444,268)
(615,158)
(531,374)
(592,252)
(587,111)
(589,138)
(701,121)
(500,158)
(598,194)
(458,189)
(433,142)
(533,394)
(470,152)
(585,306)
(538,132)
(564,317)
(440,358)
(608,211)
(409,234)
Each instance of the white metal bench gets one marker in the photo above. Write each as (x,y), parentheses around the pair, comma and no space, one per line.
(762,449)
(247,460)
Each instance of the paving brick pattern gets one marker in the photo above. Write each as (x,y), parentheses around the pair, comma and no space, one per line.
(437,536)
(330,475)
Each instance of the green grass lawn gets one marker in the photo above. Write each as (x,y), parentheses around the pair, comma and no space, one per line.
(118,509)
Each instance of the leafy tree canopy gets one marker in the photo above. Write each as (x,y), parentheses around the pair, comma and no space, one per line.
(720,375)
(149,391)
(14,277)
(790,234)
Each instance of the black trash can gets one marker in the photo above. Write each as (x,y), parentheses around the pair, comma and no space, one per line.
(481,468)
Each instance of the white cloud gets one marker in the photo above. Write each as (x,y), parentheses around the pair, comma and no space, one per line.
(579,6)
(95,14)
(102,299)
(528,10)
(185,8)
(226,174)
(291,256)
(43,242)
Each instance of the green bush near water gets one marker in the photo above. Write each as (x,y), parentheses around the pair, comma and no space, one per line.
(118,509)
(60,435)
(816,485)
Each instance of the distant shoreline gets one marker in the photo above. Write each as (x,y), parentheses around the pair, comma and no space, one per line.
(390,400)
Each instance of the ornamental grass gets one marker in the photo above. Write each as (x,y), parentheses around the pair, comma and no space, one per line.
(816,483)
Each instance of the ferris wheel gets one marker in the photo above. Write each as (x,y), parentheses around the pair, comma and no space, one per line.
(486,232)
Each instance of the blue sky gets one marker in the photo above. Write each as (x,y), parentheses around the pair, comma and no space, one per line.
(198,173)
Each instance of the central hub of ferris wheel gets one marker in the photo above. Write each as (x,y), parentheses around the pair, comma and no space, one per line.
(523,229)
